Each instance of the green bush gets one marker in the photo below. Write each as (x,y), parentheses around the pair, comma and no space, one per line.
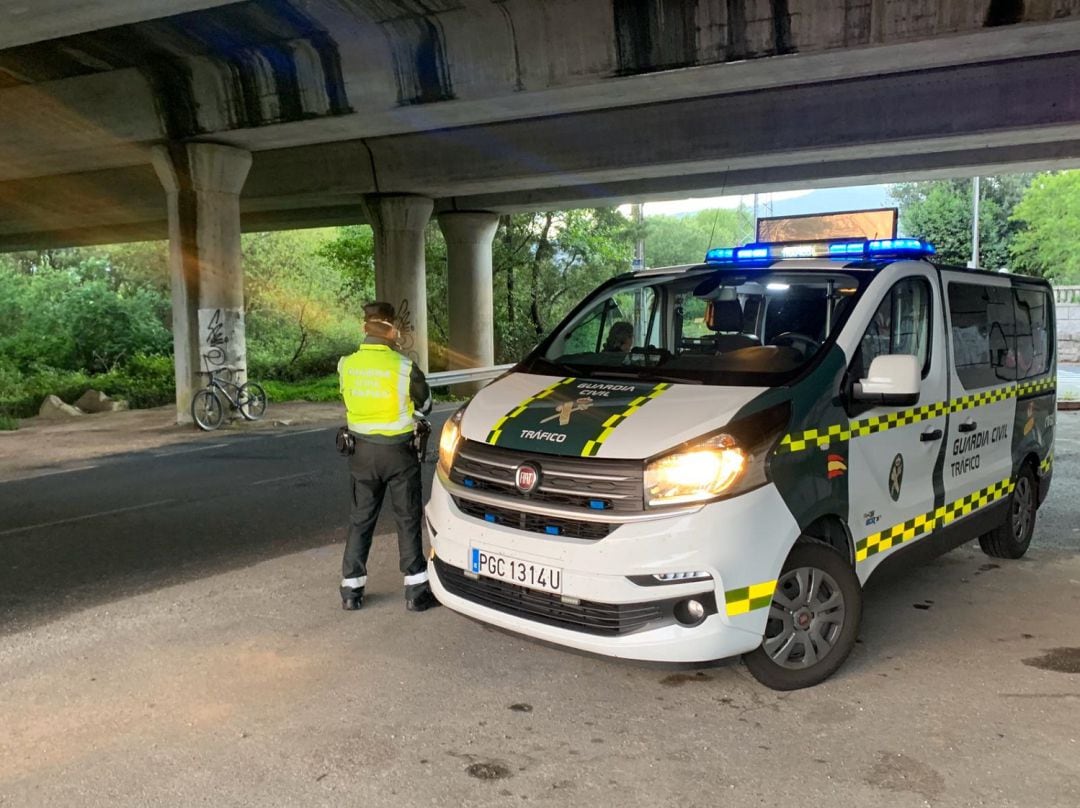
(23,398)
(145,381)
(321,389)
(8,424)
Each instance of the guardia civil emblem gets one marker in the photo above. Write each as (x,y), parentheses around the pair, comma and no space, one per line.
(896,477)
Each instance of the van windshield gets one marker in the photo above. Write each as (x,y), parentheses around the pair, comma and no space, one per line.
(748,328)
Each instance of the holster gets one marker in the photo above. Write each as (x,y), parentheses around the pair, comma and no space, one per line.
(345,441)
(421,434)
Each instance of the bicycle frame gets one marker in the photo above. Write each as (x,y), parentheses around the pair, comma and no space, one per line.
(217,383)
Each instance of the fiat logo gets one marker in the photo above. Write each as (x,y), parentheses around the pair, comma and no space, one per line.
(526,477)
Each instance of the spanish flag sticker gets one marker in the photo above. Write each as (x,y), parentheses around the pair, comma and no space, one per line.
(837,466)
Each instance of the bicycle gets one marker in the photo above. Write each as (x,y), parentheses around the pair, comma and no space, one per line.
(208,409)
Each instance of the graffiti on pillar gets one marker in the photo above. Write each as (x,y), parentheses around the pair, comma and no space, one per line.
(221,342)
(406,331)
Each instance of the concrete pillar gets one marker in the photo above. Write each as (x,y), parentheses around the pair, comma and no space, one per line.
(398,221)
(468,237)
(202,184)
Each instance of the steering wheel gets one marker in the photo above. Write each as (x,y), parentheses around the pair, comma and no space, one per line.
(662,354)
(800,342)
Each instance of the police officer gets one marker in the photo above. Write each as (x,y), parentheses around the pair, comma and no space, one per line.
(382,389)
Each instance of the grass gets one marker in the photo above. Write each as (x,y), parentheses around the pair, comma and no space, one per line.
(323,388)
(8,424)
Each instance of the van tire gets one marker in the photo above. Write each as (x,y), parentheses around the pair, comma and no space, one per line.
(830,575)
(1012,537)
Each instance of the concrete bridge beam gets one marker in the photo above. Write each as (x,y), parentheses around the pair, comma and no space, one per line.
(398,222)
(469,235)
(202,184)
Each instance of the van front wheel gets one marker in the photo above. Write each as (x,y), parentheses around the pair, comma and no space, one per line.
(813,620)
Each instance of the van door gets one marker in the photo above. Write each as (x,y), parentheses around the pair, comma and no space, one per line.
(895,452)
(982,326)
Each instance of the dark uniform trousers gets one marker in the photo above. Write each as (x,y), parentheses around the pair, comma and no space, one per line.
(377,468)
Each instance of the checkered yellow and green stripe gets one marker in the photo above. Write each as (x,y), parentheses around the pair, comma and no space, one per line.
(593,446)
(1047,463)
(926,522)
(824,436)
(496,431)
(748,598)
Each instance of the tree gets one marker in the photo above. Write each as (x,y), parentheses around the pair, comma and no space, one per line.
(1049,242)
(940,211)
(674,240)
(299,319)
(545,263)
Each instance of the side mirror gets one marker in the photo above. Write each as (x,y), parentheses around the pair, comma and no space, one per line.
(893,380)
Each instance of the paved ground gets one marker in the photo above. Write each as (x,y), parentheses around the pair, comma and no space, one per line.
(173,638)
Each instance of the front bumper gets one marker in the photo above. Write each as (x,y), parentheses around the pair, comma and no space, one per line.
(738,542)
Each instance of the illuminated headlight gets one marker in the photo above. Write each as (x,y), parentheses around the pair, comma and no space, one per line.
(696,474)
(449,440)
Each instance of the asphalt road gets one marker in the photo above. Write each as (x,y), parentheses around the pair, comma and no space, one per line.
(142,521)
(171,636)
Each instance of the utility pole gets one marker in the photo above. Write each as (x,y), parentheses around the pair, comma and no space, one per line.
(638,212)
(974,263)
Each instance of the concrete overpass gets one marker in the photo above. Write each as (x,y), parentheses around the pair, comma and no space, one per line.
(121,124)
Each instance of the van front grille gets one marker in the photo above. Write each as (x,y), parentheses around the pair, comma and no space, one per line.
(533,522)
(592,484)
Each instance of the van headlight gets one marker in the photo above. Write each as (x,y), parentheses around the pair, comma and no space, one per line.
(699,473)
(718,465)
(449,440)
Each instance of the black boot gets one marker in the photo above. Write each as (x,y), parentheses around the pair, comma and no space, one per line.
(352,599)
(422,601)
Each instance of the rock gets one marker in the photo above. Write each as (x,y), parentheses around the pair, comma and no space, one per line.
(54,408)
(96,401)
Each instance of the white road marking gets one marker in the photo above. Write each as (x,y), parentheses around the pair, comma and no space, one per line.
(71,519)
(190,449)
(302,432)
(286,477)
(34,476)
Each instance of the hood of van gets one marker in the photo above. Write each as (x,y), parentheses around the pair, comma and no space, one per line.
(596,417)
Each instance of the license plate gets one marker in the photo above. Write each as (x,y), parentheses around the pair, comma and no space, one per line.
(522,573)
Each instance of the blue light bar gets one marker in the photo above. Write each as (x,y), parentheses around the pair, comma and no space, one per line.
(848,249)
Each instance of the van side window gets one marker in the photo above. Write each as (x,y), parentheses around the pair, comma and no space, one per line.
(1033,349)
(983,334)
(901,325)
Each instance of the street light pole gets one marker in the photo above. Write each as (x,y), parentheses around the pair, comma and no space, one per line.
(974,224)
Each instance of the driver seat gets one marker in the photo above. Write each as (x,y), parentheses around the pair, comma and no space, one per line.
(725,318)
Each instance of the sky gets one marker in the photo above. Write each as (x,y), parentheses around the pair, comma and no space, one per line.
(784,203)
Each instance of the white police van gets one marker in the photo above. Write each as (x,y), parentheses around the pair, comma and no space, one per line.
(708,461)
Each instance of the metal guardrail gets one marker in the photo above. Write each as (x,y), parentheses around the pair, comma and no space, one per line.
(444,378)
(1067,294)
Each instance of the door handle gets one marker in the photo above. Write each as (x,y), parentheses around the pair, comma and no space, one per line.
(968,426)
(929,435)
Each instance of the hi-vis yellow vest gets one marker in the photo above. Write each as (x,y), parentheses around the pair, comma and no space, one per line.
(375,386)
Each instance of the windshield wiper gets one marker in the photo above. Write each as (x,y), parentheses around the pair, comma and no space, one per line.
(651,376)
(565,370)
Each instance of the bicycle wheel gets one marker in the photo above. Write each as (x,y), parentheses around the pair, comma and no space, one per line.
(251,401)
(207,410)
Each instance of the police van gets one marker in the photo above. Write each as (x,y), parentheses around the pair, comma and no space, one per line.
(709,461)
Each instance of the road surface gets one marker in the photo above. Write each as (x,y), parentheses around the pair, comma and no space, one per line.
(171,636)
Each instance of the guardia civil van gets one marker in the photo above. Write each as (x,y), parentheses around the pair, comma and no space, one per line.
(709,461)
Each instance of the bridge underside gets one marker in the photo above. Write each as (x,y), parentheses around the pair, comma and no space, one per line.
(1013,115)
